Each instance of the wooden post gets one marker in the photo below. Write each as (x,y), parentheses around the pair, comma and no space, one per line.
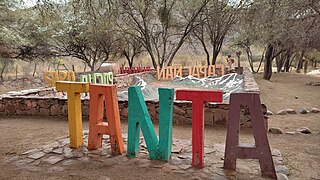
(105,96)
(261,149)
(198,99)
(74,109)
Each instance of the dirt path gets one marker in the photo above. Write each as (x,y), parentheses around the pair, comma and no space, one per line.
(300,151)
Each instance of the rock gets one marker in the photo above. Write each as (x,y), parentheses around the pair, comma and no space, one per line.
(281,176)
(68,154)
(315,110)
(78,154)
(48,150)
(37,155)
(52,145)
(291,111)
(175,161)
(275,152)
(30,151)
(275,131)
(282,112)
(303,111)
(58,151)
(269,112)
(304,130)
(296,97)
(176,149)
(290,132)
(53,160)
(282,169)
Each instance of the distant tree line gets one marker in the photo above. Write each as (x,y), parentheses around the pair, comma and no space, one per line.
(104,30)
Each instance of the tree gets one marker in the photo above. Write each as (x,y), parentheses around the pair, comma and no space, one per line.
(160,26)
(216,21)
(131,48)
(83,29)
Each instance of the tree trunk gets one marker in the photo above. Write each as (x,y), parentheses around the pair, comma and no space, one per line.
(16,71)
(280,61)
(249,56)
(85,67)
(287,61)
(305,69)
(2,71)
(268,63)
(214,57)
(34,69)
(300,61)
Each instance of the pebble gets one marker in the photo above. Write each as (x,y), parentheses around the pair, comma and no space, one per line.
(275,131)
(282,112)
(304,130)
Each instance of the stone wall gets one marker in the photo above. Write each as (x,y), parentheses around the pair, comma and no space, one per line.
(35,103)
(40,106)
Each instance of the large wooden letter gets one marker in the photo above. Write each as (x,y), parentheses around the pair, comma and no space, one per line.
(198,99)
(74,109)
(260,150)
(161,73)
(139,117)
(105,96)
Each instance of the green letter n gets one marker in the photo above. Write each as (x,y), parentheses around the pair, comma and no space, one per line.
(138,117)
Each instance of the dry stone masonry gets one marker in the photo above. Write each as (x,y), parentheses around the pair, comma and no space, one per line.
(39,102)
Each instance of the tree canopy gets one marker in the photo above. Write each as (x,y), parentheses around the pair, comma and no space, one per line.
(99,31)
